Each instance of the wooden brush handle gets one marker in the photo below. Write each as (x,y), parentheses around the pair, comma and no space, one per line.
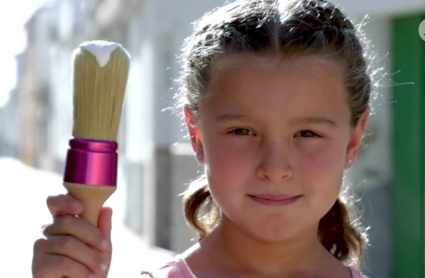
(92,196)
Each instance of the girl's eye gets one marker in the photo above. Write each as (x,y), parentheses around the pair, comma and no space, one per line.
(308,134)
(240,131)
(303,133)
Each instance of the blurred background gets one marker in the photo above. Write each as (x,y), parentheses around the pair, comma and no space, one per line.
(156,160)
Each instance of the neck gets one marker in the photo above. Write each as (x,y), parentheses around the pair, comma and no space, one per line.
(241,252)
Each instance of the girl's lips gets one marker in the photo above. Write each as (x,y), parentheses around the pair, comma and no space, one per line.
(274,197)
(275,202)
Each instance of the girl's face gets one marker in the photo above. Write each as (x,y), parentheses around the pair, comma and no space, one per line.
(279,128)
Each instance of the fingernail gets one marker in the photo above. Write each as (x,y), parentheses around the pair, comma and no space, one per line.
(103,266)
(92,275)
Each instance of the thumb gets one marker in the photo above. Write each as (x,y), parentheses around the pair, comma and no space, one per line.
(104,222)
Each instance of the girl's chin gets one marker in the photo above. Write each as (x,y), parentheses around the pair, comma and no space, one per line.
(271,232)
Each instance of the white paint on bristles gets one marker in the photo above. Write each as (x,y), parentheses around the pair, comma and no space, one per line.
(101,50)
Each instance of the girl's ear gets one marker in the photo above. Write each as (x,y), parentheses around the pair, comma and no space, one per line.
(356,138)
(194,133)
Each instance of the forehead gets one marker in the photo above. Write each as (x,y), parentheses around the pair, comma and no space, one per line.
(314,68)
(306,83)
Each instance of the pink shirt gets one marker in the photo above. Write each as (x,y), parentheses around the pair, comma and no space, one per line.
(178,268)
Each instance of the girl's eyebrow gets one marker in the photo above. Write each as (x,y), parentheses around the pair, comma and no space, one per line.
(231,117)
(314,120)
(294,122)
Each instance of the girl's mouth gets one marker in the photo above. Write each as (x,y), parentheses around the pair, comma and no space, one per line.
(270,200)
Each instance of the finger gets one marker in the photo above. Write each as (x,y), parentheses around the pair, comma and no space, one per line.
(105,222)
(75,249)
(47,265)
(60,266)
(63,204)
(77,227)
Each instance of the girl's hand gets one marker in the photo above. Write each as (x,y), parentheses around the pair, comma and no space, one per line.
(73,247)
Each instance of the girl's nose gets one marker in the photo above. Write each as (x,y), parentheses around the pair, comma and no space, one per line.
(275,165)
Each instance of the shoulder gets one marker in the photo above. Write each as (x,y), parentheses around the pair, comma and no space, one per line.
(355,273)
(177,268)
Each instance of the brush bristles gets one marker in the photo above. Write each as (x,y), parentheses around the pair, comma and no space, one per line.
(99,94)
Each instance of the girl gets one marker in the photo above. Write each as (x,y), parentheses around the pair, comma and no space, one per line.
(275,96)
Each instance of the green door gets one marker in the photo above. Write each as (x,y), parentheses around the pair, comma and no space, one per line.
(408,147)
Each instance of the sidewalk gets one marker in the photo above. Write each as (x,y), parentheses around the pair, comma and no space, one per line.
(23,211)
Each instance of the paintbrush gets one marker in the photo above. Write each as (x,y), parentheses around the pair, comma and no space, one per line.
(100,72)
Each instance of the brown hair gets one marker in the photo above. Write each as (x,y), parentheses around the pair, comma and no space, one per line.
(263,28)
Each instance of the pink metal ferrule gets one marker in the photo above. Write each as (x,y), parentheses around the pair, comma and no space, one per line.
(92,162)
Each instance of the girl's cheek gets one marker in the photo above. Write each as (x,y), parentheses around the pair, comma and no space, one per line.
(231,160)
(233,149)
(229,169)
(318,161)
